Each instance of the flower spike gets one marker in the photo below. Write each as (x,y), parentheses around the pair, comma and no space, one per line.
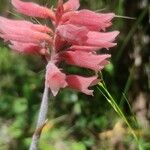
(75,38)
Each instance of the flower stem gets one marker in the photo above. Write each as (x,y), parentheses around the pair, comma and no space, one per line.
(41,119)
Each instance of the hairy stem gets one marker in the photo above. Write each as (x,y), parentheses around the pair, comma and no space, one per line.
(41,120)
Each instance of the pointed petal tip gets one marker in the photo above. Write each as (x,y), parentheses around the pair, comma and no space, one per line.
(89,92)
(71,5)
(116,33)
(54,92)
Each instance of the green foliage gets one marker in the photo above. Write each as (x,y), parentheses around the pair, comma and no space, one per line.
(116,107)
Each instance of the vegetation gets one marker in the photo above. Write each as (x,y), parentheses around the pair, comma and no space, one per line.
(115,118)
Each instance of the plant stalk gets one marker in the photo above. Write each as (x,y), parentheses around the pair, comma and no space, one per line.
(41,120)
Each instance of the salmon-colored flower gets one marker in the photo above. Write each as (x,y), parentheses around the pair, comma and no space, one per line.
(75,38)
(85,59)
(93,21)
(73,34)
(25,47)
(32,9)
(55,79)
(82,83)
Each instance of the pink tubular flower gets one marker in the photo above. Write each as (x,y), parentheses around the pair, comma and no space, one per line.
(86,60)
(32,9)
(76,37)
(100,39)
(72,34)
(93,21)
(82,83)
(23,24)
(25,47)
(55,79)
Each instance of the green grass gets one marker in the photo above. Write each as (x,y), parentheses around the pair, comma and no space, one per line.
(103,89)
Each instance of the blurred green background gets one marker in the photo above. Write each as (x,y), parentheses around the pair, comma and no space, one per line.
(77,121)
